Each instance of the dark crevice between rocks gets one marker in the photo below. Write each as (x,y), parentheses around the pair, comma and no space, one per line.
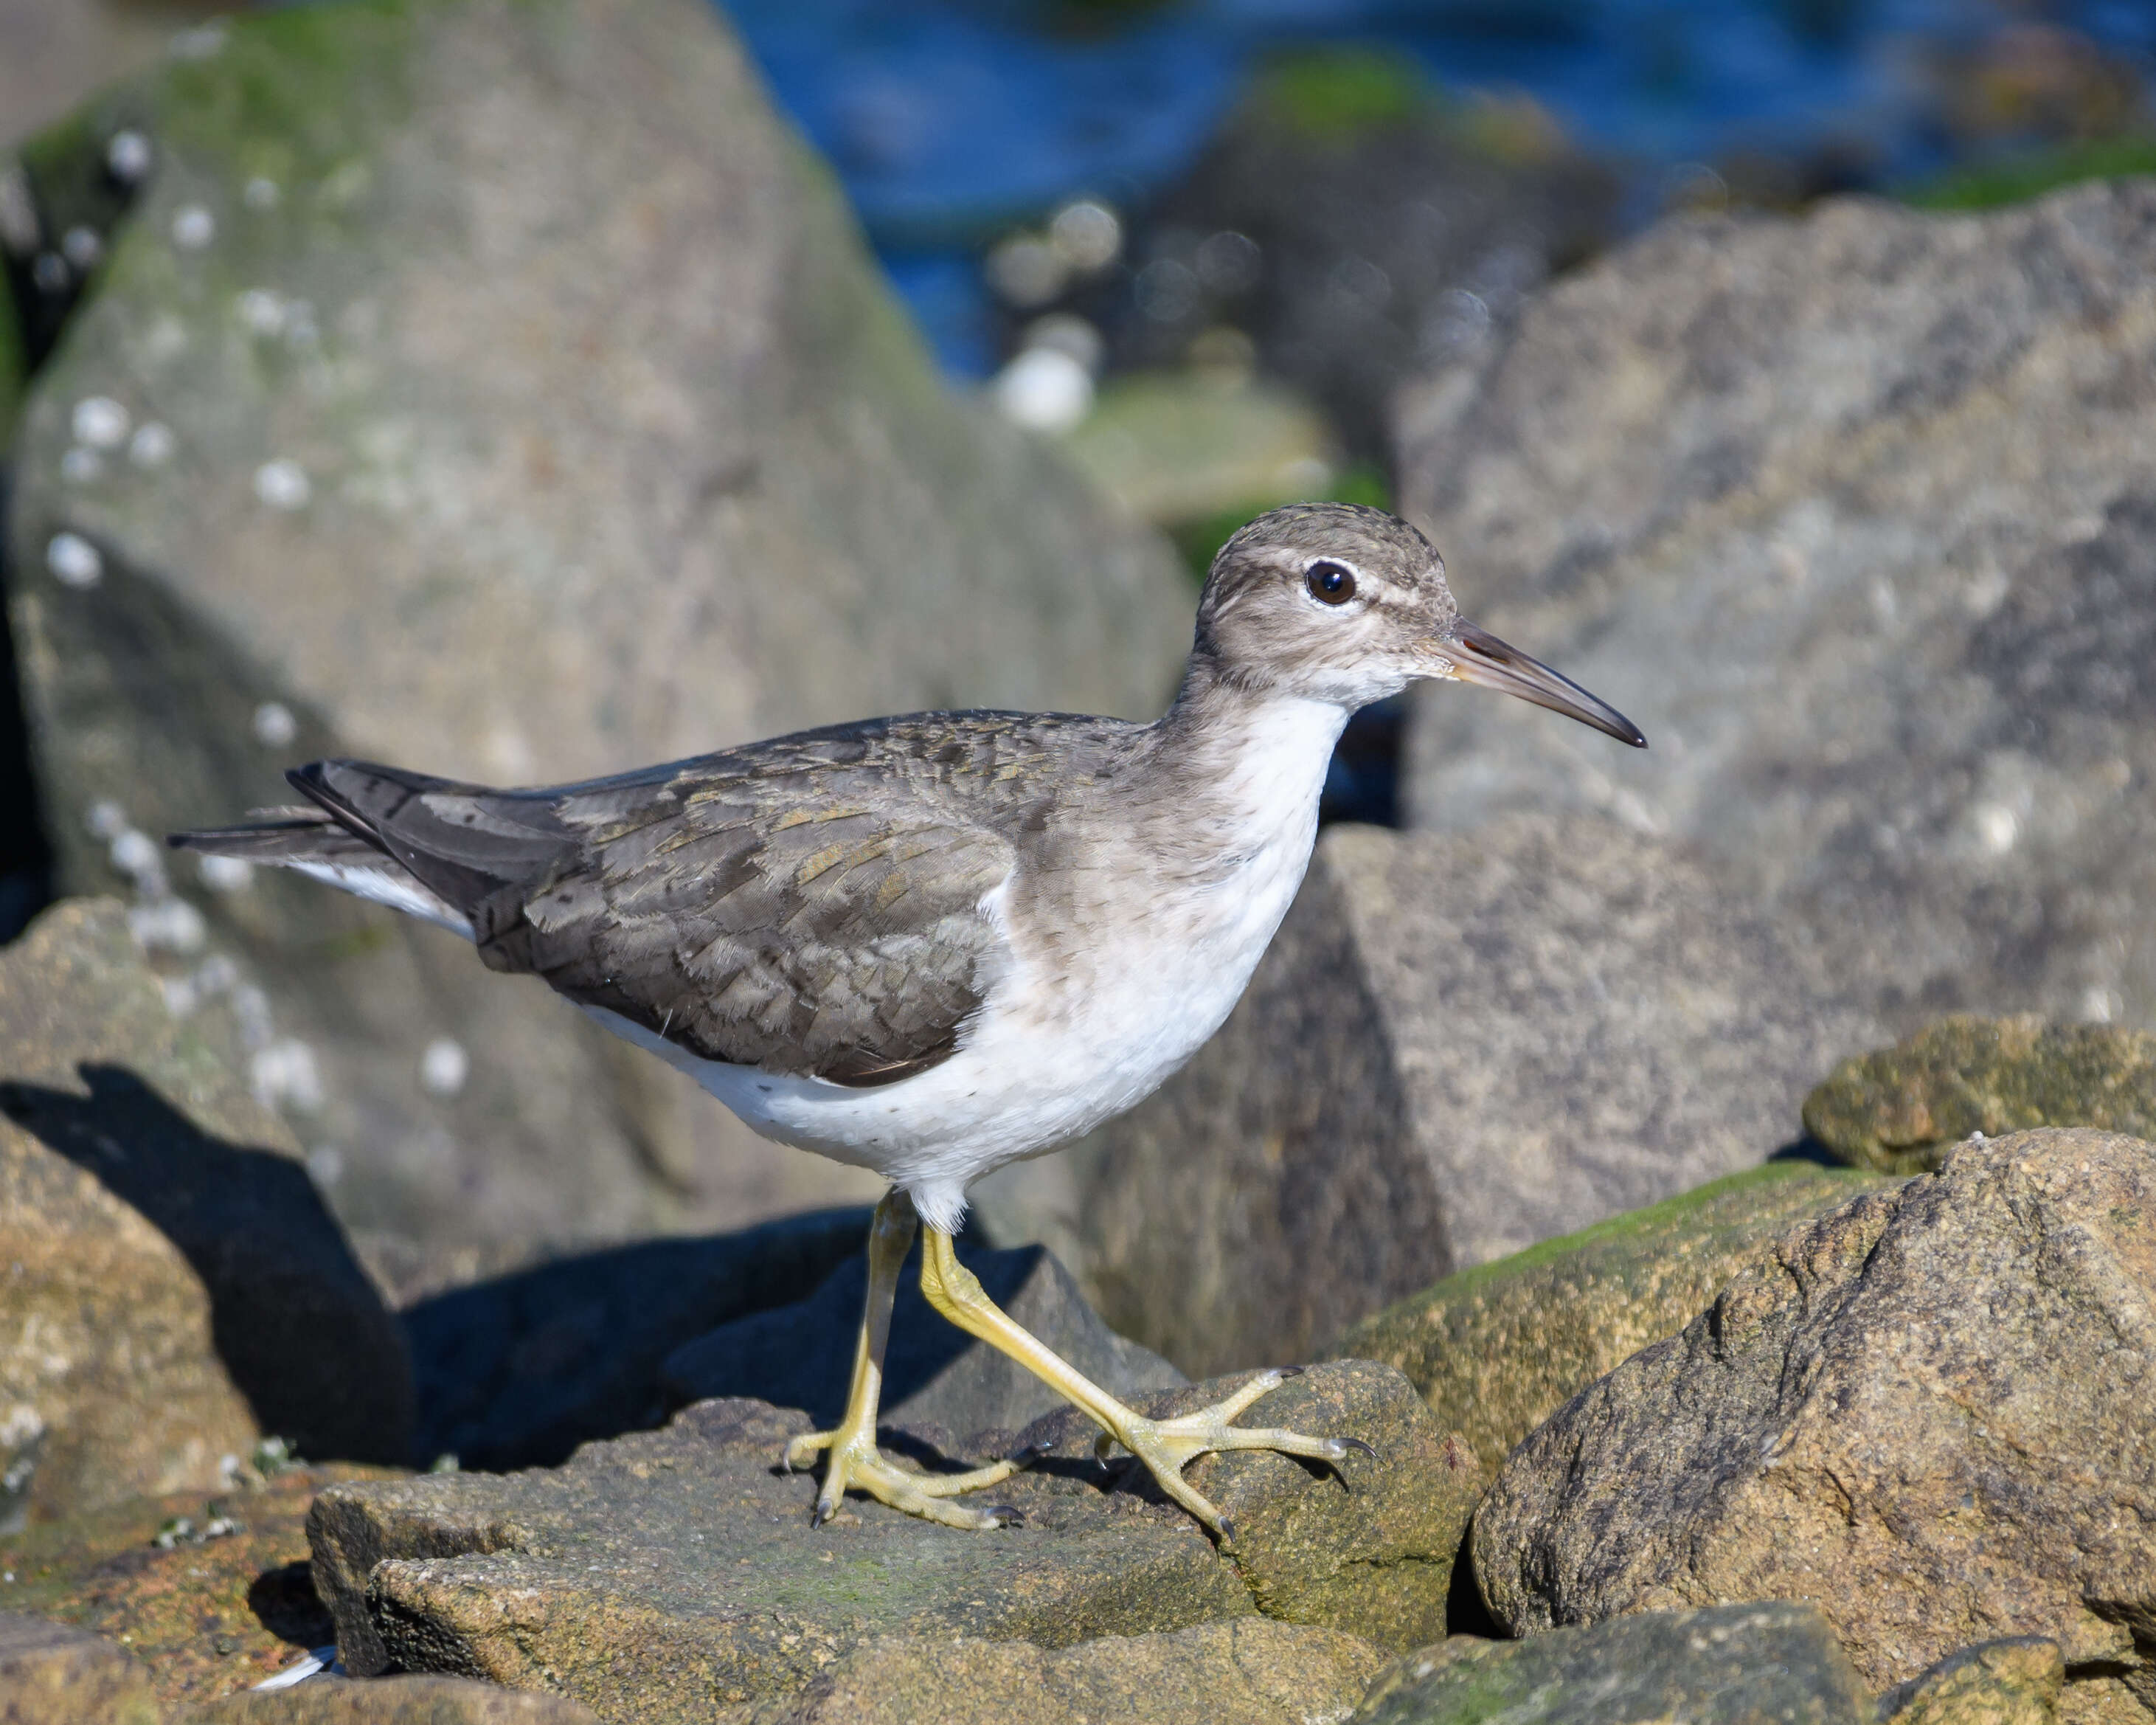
(26,854)
(1362,782)
(1466,1613)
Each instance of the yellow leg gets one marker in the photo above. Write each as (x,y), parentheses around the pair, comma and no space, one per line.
(1165,1446)
(854,1463)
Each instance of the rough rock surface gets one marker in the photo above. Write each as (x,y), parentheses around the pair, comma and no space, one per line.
(518,1369)
(52,1675)
(934,1374)
(212,1592)
(390,1701)
(529,436)
(1497,1349)
(2014,1681)
(1901,1109)
(1456,1046)
(1852,514)
(1928,1415)
(1247,1671)
(679,1567)
(165,1248)
(1769,1664)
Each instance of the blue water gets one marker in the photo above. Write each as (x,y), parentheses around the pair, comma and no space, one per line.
(949,120)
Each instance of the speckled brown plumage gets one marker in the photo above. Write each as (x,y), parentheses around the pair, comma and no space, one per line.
(810,904)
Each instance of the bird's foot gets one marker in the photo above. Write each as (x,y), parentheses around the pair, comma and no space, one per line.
(1168,1446)
(853,1463)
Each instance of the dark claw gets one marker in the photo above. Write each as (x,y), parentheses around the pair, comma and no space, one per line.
(821,1514)
(1033,1453)
(1358,1444)
(1007,1515)
(1227,1530)
(1291,1371)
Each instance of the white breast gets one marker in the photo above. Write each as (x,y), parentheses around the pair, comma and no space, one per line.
(1062,1045)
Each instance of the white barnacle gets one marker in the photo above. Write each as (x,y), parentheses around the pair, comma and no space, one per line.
(73,561)
(444,1067)
(193,227)
(283,484)
(273,725)
(99,421)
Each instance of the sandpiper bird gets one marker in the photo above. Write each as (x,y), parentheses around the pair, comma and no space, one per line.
(933,944)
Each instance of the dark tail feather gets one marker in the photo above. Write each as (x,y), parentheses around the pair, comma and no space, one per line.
(466,842)
(285,835)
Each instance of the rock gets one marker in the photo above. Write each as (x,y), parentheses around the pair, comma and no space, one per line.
(1926,1414)
(1852,514)
(934,1374)
(1904,1108)
(1456,1046)
(1172,446)
(524,438)
(391,1701)
(1732,1664)
(1497,1349)
(517,1371)
(1246,1671)
(2016,1682)
(212,1592)
(1359,228)
(51,1675)
(54,53)
(166,1249)
(679,1567)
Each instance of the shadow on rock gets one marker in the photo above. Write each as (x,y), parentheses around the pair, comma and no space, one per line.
(935,1375)
(299,1327)
(518,1371)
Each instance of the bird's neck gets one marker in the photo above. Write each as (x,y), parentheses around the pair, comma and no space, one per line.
(1248,762)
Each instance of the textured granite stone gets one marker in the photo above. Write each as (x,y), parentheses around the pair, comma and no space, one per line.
(662,1575)
(1852,513)
(1901,1109)
(1926,1414)
(171,1285)
(1768,1664)
(1497,1349)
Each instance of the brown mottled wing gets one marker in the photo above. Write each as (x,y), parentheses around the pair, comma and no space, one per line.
(786,913)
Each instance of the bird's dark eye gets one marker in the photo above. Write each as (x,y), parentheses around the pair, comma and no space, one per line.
(1329,583)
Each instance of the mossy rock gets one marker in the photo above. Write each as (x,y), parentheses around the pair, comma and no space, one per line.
(1900,1109)
(1497,1349)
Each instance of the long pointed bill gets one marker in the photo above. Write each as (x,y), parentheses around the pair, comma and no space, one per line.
(1477,655)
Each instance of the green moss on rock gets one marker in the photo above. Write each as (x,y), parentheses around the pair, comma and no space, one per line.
(1497,1349)
(1900,1109)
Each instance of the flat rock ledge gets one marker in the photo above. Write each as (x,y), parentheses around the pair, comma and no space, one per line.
(676,1570)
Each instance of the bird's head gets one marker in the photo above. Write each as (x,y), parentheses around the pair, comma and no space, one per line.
(1334,602)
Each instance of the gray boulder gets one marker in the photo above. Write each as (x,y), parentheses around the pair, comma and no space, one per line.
(680,1567)
(177,1287)
(935,1375)
(1766,1664)
(52,1675)
(1245,1671)
(1926,1413)
(1853,514)
(1456,1047)
(502,389)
